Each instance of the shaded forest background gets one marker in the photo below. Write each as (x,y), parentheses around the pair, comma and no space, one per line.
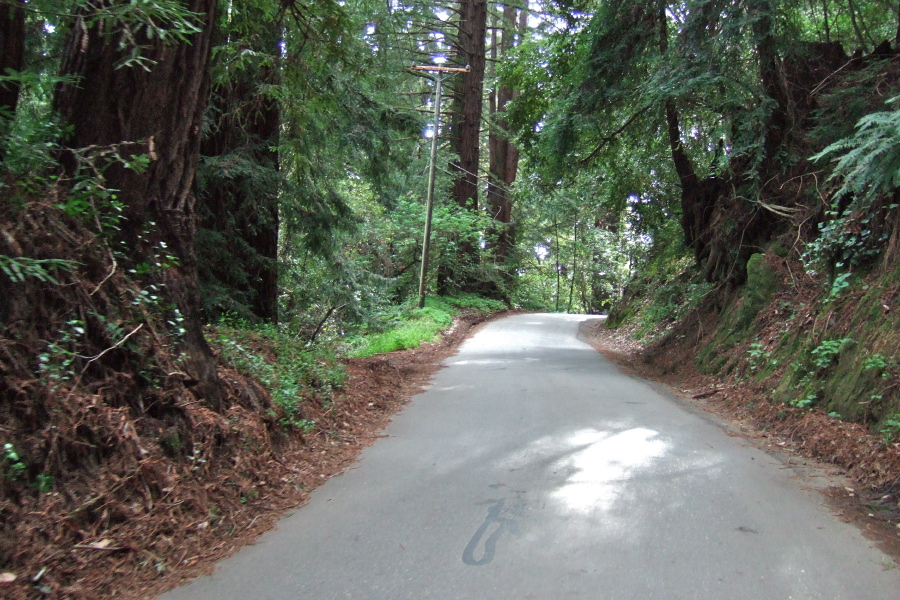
(203,203)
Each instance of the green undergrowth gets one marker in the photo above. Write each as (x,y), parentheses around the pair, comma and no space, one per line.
(846,360)
(297,374)
(292,372)
(837,350)
(832,344)
(736,320)
(407,326)
(667,288)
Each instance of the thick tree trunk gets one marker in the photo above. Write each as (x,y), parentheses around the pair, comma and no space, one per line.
(698,196)
(465,126)
(12,54)
(163,109)
(770,73)
(694,210)
(504,157)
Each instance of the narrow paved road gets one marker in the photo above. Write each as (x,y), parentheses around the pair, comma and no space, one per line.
(532,468)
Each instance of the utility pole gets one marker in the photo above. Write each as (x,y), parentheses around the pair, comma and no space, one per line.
(432,164)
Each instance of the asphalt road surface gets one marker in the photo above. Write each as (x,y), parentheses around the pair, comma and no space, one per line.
(533,468)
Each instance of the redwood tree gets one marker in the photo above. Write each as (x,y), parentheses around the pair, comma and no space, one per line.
(157,104)
(504,157)
(465,124)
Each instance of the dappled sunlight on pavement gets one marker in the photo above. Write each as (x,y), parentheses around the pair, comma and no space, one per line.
(603,465)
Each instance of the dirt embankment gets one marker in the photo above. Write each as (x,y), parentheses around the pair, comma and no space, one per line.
(110,535)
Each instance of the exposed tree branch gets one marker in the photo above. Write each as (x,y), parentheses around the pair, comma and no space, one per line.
(610,138)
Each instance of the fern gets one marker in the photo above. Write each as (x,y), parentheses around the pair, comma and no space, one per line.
(868,162)
(17,269)
(867,167)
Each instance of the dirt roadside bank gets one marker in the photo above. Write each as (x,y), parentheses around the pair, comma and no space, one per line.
(237,485)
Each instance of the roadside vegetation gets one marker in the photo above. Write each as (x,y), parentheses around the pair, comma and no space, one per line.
(409,327)
(210,219)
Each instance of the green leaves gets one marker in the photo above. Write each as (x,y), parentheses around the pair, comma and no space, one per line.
(866,171)
(20,268)
(828,350)
(12,461)
(137,24)
(868,162)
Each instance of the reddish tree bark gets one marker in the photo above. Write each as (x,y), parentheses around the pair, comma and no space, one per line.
(465,126)
(504,157)
(163,109)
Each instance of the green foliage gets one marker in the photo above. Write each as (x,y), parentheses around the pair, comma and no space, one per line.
(806,401)
(43,483)
(840,284)
(825,353)
(868,162)
(293,374)
(575,251)
(670,302)
(19,268)
(14,466)
(880,363)
(406,327)
(664,288)
(891,428)
(472,302)
(56,362)
(28,149)
(133,26)
(757,355)
(867,169)
(761,284)
(810,373)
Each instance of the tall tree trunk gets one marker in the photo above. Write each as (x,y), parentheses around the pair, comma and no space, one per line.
(574,266)
(770,74)
(12,54)
(859,36)
(162,108)
(558,267)
(691,217)
(504,157)
(698,197)
(465,124)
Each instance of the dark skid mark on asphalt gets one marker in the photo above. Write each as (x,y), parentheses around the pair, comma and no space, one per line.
(490,545)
